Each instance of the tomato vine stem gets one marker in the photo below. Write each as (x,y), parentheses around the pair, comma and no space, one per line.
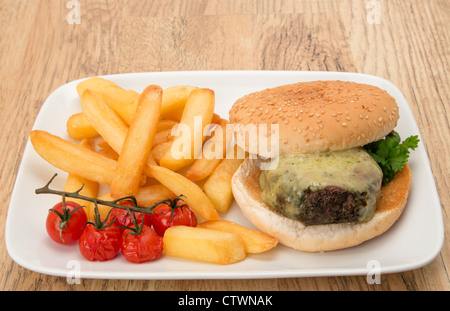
(115,203)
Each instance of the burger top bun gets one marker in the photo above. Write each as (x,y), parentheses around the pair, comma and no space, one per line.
(319,116)
(317,238)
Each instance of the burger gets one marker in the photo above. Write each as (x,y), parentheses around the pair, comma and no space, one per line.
(341,175)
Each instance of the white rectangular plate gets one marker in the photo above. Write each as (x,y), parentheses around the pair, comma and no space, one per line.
(414,240)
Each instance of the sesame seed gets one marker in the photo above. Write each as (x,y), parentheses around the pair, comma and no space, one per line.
(344,124)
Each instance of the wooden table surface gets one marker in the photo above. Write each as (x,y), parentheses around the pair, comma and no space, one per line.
(408,43)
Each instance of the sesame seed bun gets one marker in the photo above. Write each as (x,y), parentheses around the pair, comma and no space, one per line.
(319,116)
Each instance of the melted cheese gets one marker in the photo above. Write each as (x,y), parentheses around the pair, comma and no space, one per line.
(353,170)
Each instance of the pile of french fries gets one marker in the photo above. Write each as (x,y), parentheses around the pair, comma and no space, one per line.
(122,139)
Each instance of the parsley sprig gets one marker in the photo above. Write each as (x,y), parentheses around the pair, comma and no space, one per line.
(391,154)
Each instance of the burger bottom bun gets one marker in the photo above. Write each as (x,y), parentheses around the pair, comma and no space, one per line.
(317,238)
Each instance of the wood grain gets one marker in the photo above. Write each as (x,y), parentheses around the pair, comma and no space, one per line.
(40,51)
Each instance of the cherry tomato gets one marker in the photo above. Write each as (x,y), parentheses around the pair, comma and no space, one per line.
(144,245)
(163,218)
(122,218)
(65,222)
(100,244)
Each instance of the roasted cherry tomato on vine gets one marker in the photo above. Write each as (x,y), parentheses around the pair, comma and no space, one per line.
(122,218)
(141,244)
(175,213)
(65,222)
(100,243)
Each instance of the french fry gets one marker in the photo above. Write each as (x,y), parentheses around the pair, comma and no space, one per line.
(138,143)
(162,137)
(151,160)
(78,127)
(204,245)
(254,241)
(101,143)
(199,107)
(159,151)
(215,119)
(210,159)
(123,102)
(165,125)
(105,121)
(89,187)
(174,100)
(218,185)
(194,197)
(109,152)
(106,150)
(149,195)
(150,181)
(103,210)
(73,158)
